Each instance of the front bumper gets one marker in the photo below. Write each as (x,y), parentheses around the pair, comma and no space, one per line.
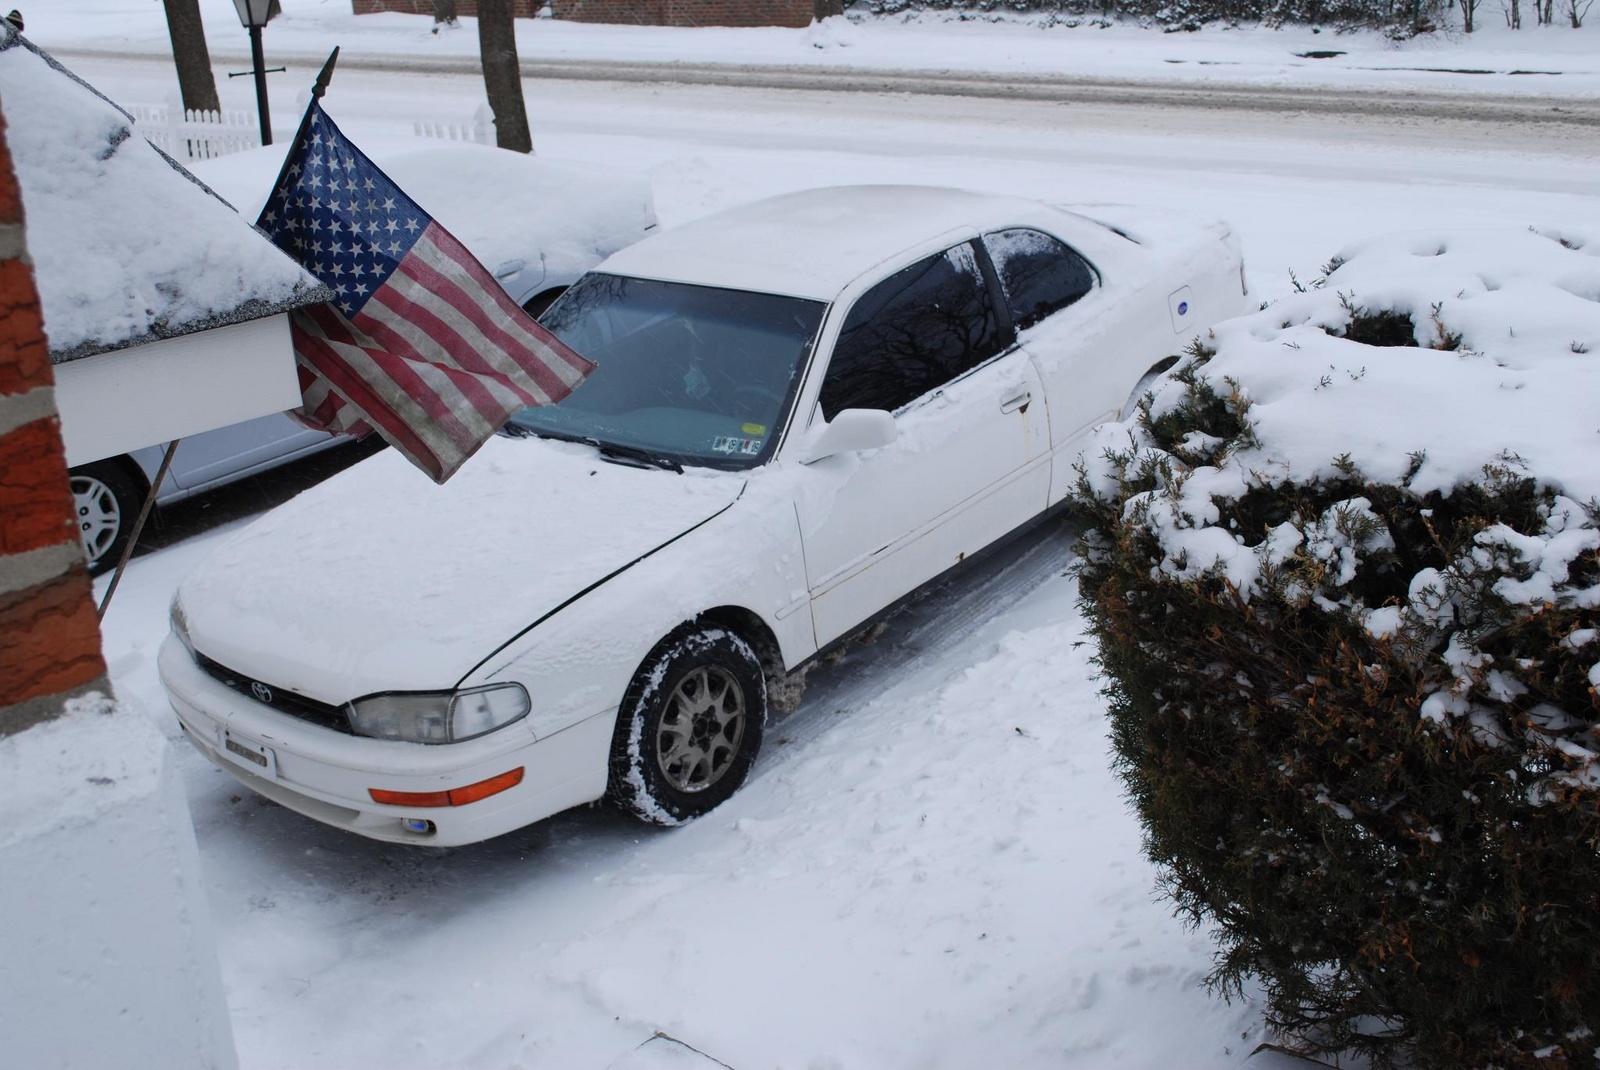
(326,775)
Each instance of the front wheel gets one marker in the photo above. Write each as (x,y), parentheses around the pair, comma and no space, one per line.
(690,726)
(106,499)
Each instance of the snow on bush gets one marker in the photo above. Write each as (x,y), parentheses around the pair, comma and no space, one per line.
(1344,570)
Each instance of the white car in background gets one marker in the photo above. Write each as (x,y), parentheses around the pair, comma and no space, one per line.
(804,410)
(536,225)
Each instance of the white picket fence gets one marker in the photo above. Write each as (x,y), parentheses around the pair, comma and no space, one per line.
(480,131)
(202,135)
(195,135)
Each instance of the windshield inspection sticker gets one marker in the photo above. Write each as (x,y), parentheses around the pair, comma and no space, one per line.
(729,444)
(754,429)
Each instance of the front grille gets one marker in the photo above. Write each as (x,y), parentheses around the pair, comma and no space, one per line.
(279,698)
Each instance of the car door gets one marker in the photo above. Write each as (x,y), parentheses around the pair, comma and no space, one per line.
(932,345)
(1052,294)
(216,456)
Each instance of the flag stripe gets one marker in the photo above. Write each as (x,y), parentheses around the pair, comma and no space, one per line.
(404,329)
(400,395)
(403,323)
(430,271)
(384,381)
(445,254)
(350,369)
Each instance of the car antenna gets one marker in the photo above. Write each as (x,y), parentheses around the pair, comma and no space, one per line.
(326,75)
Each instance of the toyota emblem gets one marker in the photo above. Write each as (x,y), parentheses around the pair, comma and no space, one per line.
(262,692)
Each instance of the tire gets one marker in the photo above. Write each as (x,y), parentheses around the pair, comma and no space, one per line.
(106,499)
(690,726)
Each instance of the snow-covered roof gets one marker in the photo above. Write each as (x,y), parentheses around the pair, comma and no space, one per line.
(127,246)
(814,242)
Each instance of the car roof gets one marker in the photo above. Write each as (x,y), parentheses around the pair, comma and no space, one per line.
(815,242)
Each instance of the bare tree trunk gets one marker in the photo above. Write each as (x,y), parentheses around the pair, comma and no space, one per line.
(502,75)
(1469,11)
(189,52)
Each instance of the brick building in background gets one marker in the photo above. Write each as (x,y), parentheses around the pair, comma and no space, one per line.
(791,13)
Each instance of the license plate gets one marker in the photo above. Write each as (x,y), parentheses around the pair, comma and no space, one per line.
(251,755)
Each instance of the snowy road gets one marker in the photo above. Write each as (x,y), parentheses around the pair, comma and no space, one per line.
(932,866)
(1555,106)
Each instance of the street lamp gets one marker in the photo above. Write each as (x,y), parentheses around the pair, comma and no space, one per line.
(253,15)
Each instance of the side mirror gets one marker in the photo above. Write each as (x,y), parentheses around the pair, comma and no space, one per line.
(852,431)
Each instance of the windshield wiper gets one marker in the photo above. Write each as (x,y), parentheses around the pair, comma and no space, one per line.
(617,453)
(611,451)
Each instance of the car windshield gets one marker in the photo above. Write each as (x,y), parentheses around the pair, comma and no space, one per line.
(688,374)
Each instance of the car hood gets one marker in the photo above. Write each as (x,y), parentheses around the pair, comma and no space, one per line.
(379,580)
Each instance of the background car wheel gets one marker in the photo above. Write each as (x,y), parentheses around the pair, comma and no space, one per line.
(690,726)
(106,498)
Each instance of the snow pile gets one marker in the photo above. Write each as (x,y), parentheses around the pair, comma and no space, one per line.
(1500,375)
(125,244)
(1488,376)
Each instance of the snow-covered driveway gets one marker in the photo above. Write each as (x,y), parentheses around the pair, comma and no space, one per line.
(936,869)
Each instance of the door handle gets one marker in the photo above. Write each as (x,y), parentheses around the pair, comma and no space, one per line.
(1017,398)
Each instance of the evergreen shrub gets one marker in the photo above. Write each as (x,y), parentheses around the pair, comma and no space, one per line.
(1402,17)
(1353,691)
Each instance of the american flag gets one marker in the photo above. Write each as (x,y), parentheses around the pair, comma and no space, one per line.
(421,344)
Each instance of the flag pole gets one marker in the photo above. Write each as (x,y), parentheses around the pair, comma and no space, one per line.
(319,87)
(326,75)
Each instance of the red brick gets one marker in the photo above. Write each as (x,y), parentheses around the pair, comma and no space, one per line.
(10,193)
(24,356)
(35,499)
(52,639)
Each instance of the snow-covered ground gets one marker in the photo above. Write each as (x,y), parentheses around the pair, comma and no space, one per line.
(932,865)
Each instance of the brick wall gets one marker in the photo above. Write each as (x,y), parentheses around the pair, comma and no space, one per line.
(49,633)
(524,9)
(794,13)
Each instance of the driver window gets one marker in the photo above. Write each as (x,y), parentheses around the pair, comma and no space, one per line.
(916,330)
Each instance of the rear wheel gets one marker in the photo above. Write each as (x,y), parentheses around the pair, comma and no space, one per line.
(106,498)
(1143,386)
(690,726)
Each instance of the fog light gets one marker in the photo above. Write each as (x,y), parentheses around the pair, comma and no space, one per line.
(418,825)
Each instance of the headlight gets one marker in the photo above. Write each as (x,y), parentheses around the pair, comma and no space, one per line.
(438,716)
(180,625)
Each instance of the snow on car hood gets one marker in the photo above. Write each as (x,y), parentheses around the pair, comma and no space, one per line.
(379,580)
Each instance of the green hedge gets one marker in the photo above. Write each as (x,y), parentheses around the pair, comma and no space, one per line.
(1361,734)
(1402,15)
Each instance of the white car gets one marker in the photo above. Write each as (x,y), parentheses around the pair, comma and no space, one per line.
(536,225)
(805,409)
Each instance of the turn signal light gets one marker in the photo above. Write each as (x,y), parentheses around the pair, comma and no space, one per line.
(454,797)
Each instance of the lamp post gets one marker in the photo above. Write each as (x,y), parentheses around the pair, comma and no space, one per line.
(253,14)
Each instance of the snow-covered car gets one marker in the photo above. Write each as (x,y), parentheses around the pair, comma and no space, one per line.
(536,225)
(804,410)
